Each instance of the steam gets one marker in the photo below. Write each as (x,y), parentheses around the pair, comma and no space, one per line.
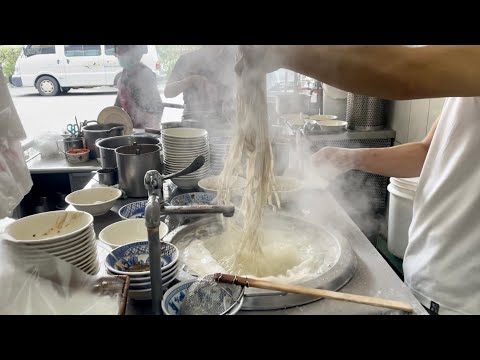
(359,194)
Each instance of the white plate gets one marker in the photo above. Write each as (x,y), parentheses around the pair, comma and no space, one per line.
(116,115)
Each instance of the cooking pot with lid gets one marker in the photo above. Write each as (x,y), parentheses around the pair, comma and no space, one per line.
(133,162)
(92,133)
(107,147)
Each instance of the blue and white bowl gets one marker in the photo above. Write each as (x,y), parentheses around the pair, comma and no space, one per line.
(119,260)
(173,298)
(146,294)
(144,279)
(193,198)
(134,210)
(166,280)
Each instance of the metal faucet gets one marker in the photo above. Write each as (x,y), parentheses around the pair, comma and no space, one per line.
(156,208)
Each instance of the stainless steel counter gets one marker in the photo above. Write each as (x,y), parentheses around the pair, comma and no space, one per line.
(374,277)
(58,164)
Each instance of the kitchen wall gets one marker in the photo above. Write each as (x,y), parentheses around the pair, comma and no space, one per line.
(411,119)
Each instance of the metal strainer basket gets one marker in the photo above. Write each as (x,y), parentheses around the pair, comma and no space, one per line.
(205,296)
(365,113)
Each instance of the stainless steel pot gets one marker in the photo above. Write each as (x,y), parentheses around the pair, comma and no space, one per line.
(106,147)
(107,177)
(258,299)
(92,133)
(71,143)
(133,162)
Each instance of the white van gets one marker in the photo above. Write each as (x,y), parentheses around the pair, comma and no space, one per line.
(55,69)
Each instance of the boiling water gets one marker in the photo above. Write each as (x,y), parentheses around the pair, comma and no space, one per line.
(290,254)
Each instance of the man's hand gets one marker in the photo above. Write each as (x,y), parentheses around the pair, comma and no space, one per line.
(335,160)
(265,58)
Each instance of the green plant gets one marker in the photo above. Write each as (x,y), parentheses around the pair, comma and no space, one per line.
(169,55)
(8,57)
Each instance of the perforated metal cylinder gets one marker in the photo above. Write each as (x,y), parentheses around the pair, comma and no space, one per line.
(365,113)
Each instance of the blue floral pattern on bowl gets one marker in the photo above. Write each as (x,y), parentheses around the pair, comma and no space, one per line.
(124,257)
(134,210)
(173,298)
(193,198)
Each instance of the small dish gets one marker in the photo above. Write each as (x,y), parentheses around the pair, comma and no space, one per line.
(76,156)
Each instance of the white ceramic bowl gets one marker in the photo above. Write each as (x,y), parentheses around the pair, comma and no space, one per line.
(210,184)
(61,244)
(128,231)
(49,227)
(95,201)
(294,119)
(184,133)
(332,125)
(288,188)
(323,117)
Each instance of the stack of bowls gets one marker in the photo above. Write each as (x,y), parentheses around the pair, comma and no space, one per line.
(218,151)
(180,147)
(133,260)
(67,235)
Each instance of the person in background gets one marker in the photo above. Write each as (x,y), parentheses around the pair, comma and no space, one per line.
(138,93)
(441,264)
(206,78)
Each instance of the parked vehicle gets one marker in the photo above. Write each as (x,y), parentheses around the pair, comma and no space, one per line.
(55,69)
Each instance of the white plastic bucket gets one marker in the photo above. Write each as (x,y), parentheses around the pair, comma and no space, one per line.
(402,193)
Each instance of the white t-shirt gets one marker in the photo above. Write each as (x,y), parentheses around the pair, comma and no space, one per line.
(442,260)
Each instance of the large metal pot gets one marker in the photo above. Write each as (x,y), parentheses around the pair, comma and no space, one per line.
(92,133)
(258,299)
(133,162)
(107,147)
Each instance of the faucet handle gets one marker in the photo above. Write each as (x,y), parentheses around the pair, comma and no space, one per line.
(195,165)
(153,182)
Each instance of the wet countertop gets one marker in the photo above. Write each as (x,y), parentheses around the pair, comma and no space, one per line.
(373,277)
(58,164)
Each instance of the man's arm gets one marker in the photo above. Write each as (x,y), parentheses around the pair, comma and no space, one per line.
(390,72)
(398,161)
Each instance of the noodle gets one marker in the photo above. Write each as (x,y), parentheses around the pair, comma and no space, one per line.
(249,156)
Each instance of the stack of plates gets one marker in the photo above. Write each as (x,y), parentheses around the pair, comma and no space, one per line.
(67,235)
(133,260)
(180,147)
(218,152)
